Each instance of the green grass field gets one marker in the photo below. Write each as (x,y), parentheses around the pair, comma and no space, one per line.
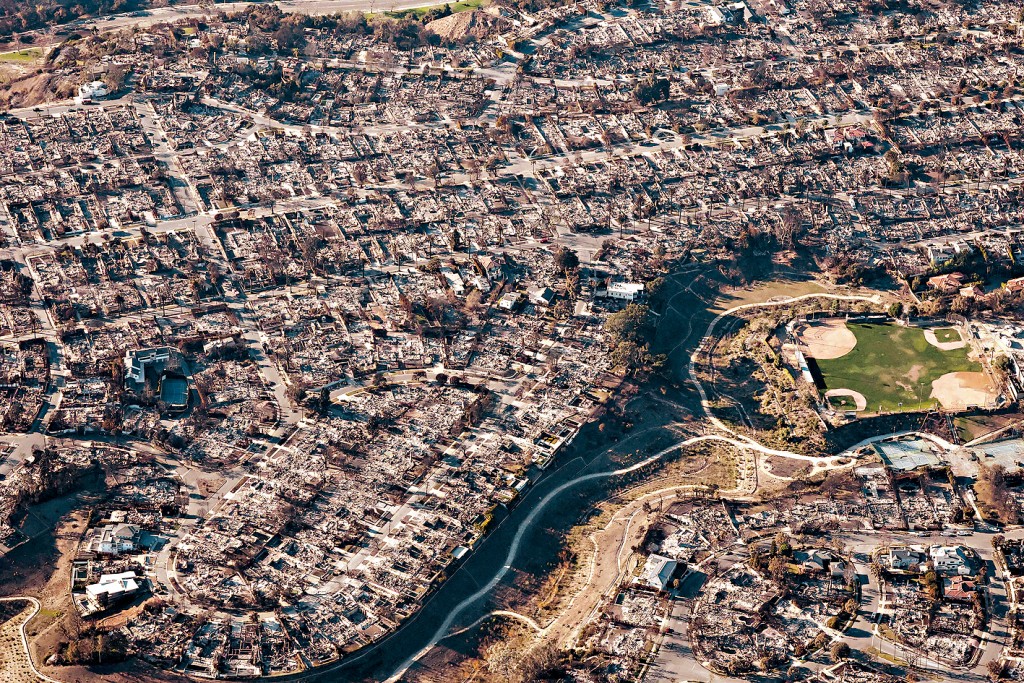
(892,365)
(948,334)
(420,12)
(30,54)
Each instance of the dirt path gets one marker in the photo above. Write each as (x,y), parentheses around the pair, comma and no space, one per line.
(625,530)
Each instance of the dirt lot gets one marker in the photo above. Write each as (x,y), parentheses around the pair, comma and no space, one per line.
(785,468)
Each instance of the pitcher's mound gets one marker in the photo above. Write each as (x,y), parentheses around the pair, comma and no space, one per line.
(960,390)
(860,403)
(827,339)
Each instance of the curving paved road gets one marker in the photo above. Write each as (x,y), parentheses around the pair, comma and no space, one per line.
(517,540)
(527,524)
(744,307)
(734,439)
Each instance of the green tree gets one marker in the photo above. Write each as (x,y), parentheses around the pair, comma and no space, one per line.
(566,259)
(632,323)
(839,651)
(630,355)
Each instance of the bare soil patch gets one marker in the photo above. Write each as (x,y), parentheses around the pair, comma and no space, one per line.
(915,372)
(785,468)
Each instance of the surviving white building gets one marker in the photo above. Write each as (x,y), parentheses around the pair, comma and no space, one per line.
(111,588)
(657,572)
(87,92)
(624,291)
(952,559)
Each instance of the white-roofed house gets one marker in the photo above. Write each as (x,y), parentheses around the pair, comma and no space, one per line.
(657,572)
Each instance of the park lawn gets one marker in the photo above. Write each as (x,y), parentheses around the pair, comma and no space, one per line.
(766,291)
(948,334)
(420,12)
(892,365)
(30,54)
(971,427)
